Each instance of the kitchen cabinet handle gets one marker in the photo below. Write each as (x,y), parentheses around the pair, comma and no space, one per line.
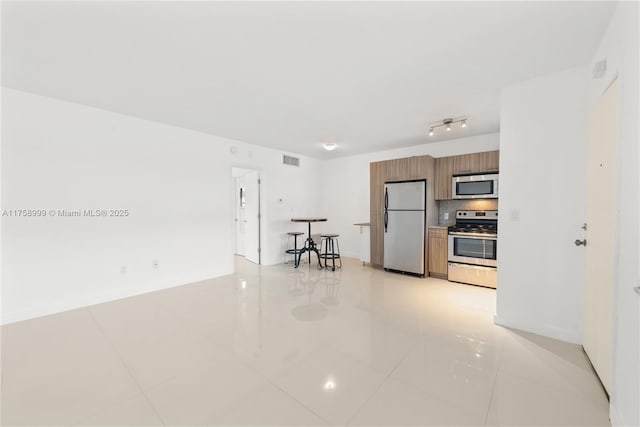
(637,290)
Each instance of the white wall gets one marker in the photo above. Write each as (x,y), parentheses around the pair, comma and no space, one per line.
(346,198)
(620,47)
(543,125)
(176,184)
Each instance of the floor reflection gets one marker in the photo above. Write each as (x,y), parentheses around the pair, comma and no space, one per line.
(321,290)
(275,345)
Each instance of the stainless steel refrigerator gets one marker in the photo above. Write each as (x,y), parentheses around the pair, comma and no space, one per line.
(404,225)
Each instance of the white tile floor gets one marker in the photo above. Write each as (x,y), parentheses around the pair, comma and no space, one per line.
(277,346)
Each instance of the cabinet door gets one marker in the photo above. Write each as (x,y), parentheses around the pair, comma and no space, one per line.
(376,242)
(417,167)
(376,183)
(444,171)
(465,163)
(488,161)
(396,169)
(376,186)
(437,253)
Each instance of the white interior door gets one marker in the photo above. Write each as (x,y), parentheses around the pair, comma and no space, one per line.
(252,217)
(601,202)
(239,214)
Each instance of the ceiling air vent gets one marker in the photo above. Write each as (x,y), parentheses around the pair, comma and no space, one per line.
(291,161)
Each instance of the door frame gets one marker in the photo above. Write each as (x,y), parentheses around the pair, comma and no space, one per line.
(260,207)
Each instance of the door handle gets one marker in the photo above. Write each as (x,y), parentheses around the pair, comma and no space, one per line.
(637,290)
(386,199)
(386,220)
(579,242)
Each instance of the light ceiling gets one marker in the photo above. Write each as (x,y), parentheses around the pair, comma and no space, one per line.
(294,75)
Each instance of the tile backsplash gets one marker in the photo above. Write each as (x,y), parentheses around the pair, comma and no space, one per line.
(451,206)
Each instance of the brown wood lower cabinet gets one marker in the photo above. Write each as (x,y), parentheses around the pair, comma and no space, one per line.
(438,252)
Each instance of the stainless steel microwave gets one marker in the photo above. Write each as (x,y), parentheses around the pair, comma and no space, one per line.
(475,186)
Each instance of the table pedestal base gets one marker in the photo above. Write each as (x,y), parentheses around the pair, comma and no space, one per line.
(309,246)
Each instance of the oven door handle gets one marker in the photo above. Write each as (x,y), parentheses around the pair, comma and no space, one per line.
(473,235)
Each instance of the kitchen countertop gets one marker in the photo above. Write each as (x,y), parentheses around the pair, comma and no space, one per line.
(363,223)
(439,226)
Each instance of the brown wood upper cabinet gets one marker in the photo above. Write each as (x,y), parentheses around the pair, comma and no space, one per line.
(446,167)
(476,162)
(444,171)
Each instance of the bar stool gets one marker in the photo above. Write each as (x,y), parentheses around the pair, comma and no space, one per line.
(295,251)
(330,240)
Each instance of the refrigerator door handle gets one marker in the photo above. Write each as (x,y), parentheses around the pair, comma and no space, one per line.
(386,199)
(386,220)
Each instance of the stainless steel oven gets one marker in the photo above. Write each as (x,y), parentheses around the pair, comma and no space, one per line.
(476,249)
(475,186)
(473,248)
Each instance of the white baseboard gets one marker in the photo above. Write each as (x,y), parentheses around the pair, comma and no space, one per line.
(539,329)
(350,255)
(614,417)
(342,255)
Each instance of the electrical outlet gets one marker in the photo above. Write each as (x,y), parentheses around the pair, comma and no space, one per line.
(446,216)
(156,263)
(123,269)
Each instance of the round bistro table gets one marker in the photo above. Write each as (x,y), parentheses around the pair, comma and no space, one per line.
(309,244)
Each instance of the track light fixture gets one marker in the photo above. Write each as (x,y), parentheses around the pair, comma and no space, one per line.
(447,123)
